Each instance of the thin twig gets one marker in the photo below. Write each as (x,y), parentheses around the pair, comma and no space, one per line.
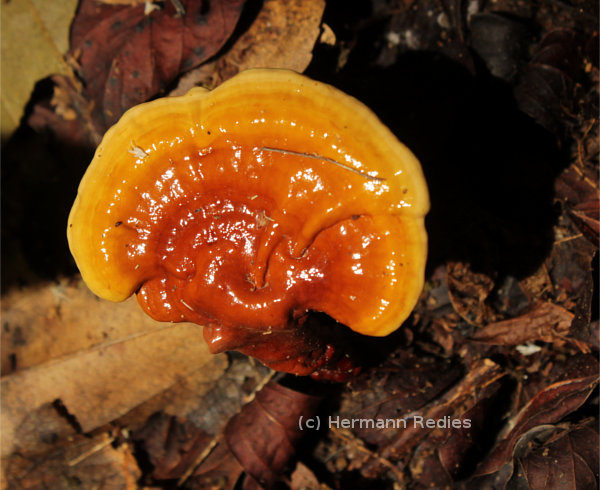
(324,159)
(91,451)
(200,459)
(568,239)
(219,437)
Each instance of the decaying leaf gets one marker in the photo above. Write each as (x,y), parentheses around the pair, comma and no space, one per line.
(452,404)
(303,478)
(547,89)
(577,188)
(549,456)
(34,39)
(98,359)
(446,456)
(585,215)
(536,380)
(548,407)
(54,320)
(403,384)
(259,440)
(127,55)
(282,36)
(545,322)
(172,445)
(567,459)
(218,469)
(469,292)
(393,446)
(263,436)
(84,462)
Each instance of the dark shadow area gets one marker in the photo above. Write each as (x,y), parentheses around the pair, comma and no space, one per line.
(40,175)
(487,422)
(490,169)
(350,349)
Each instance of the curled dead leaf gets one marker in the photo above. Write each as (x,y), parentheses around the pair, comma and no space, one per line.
(264,434)
(545,321)
(469,292)
(127,54)
(549,406)
(282,36)
(566,457)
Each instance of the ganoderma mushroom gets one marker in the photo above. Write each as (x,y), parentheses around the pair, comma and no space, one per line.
(247,207)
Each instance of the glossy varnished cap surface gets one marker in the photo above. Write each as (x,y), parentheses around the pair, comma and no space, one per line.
(271,195)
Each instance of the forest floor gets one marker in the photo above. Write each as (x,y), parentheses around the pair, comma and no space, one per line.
(498,100)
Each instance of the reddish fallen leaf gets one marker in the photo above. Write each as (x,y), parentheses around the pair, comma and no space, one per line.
(585,215)
(190,447)
(282,36)
(126,56)
(548,407)
(546,322)
(554,371)
(448,455)
(567,460)
(264,434)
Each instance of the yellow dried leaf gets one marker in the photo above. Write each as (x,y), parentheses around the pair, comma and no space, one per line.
(35,35)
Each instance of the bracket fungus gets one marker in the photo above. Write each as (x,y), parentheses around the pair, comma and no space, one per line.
(246,207)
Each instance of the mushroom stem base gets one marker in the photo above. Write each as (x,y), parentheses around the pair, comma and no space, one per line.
(314,345)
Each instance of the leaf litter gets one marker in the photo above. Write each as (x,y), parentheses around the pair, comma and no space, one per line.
(505,334)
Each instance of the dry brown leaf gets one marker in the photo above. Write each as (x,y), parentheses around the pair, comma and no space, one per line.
(53,320)
(537,285)
(545,321)
(104,382)
(469,292)
(84,462)
(568,459)
(453,403)
(99,359)
(282,36)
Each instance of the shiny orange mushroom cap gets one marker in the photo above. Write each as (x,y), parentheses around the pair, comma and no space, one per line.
(244,207)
